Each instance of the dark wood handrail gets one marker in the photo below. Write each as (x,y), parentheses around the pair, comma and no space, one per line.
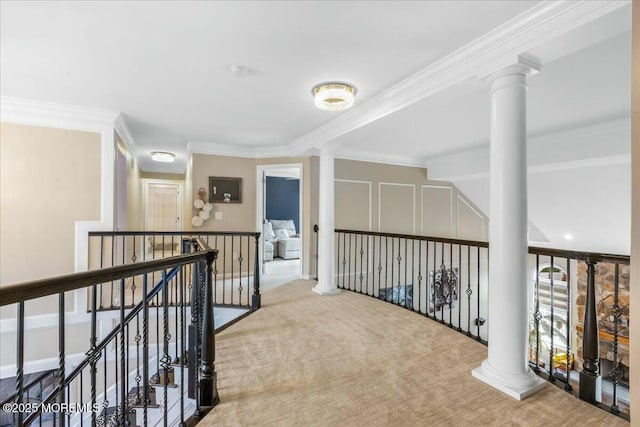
(416,237)
(23,291)
(174,233)
(559,253)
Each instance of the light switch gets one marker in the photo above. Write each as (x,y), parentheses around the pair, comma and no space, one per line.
(218,215)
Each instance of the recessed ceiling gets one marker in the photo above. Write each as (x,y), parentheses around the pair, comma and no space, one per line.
(166,65)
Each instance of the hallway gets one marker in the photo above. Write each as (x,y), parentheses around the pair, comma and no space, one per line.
(350,360)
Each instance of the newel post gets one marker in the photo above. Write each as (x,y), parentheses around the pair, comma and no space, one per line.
(208,382)
(590,375)
(255,298)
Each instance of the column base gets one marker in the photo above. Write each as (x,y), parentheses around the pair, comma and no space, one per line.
(325,291)
(518,386)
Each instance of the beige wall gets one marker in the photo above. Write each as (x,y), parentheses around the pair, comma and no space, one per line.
(50,178)
(397,199)
(400,199)
(241,216)
(635,219)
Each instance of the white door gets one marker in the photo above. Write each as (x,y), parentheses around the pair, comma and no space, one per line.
(162,209)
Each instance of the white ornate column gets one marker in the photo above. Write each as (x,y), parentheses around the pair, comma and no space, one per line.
(506,367)
(326,223)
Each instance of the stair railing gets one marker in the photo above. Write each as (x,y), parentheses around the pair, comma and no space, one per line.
(236,272)
(578,302)
(137,374)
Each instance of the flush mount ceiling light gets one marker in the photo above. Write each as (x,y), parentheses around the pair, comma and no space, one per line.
(333,96)
(163,156)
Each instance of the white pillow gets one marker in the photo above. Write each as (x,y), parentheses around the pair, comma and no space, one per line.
(281,234)
(268,231)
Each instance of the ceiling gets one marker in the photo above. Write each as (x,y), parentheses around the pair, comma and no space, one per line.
(166,66)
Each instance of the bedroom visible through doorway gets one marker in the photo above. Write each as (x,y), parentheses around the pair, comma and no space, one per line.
(280,201)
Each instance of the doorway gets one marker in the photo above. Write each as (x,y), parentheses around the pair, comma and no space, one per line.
(162,205)
(280,221)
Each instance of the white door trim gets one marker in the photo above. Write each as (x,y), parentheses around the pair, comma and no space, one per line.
(260,169)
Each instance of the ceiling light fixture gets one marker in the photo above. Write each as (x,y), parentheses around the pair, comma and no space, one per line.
(568,236)
(333,96)
(163,156)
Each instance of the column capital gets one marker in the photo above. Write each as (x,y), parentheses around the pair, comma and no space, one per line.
(523,65)
(328,148)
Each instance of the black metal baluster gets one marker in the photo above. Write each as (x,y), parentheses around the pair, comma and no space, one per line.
(537,316)
(248,267)
(255,298)
(616,372)
(166,336)
(93,352)
(344,258)
(182,359)
(349,264)
(61,354)
(433,281)
(469,291)
(405,274)
(124,420)
(393,251)
(478,296)
(113,262)
(20,360)
(232,262)
(361,262)
(134,258)
(552,320)
(459,286)
(450,288)
(386,267)
(224,269)
(368,256)
(567,386)
(443,270)
(105,400)
(426,279)
(215,273)
(413,274)
(101,266)
(240,259)
(420,276)
(590,345)
(379,261)
(145,350)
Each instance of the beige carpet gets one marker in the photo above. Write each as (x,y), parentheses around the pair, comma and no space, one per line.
(350,360)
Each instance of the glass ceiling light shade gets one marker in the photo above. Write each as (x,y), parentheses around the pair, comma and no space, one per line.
(163,156)
(333,96)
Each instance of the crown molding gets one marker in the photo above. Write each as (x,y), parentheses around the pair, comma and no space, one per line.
(473,164)
(125,134)
(499,47)
(42,113)
(250,152)
(369,156)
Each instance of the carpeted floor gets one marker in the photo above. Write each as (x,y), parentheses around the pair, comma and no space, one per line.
(350,360)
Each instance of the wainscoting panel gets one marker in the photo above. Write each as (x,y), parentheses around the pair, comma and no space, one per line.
(436,211)
(470,222)
(353,204)
(397,208)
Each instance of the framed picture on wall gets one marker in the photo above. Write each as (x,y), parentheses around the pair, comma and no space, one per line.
(225,190)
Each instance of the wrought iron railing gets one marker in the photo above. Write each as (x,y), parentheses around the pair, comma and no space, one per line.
(579,304)
(236,271)
(131,375)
